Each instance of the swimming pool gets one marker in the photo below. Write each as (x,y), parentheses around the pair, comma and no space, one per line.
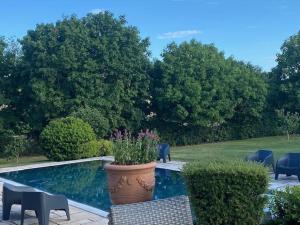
(86,182)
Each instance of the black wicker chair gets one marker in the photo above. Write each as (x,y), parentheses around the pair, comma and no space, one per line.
(263,156)
(289,164)
(170,211)
(42,203)
(12,195)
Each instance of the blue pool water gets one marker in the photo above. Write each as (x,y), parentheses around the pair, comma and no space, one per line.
(86,182)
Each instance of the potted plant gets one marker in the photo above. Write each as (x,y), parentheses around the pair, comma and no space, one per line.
(131,177)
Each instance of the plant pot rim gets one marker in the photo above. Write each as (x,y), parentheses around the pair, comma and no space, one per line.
(110,166)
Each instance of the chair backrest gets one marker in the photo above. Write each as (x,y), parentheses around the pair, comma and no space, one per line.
(170,211)
(263,153)
(293,159)
(163,146)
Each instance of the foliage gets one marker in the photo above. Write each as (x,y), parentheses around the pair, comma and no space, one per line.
(199,94)
(285,77)
(16,146)
(288,122)
(286,206)
(95,148)
(9,67)
(105,147)
(5,139)
(89,149)
(227,193)
(97,61)
(98,68)
(9,51)
(129,150)
(248,92)
(95,118)
(61,138)
(191,86)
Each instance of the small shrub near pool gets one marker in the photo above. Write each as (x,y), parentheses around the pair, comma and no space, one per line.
(96,148)
(285,206)
(61,138)
(227,193)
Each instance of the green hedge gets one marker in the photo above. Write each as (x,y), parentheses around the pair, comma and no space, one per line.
(61,138)
(227,193)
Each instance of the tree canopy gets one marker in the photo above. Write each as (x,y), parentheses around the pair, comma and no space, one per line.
(96,61)
(285,77)
(195,85)
(98,68)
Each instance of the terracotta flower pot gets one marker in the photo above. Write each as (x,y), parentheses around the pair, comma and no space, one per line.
(132,183)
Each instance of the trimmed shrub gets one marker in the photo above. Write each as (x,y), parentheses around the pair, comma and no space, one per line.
(89,149)
(227,193)
(105,147)
(285,206)
(61,138)
(96,148)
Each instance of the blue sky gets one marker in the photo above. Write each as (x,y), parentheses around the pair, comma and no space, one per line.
(250,30)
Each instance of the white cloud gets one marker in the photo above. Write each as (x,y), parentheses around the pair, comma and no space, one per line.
(97,11)
(178,34)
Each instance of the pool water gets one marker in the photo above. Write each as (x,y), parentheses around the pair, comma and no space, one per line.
(86,182)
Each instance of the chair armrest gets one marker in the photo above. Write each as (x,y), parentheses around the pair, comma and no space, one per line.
(269,159)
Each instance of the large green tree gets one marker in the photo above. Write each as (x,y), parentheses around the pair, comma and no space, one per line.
(285,77)
(97,61)
(196,86)
(9,67)
(248,92)
(191,86)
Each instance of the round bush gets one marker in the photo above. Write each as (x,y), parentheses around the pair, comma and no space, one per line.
(61,138)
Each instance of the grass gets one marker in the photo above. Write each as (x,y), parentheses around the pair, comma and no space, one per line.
(236,149)
(23,161)
(207,152)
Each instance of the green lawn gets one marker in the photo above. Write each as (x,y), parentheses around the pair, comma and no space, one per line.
(23,161)
(208,152)
(235,149)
